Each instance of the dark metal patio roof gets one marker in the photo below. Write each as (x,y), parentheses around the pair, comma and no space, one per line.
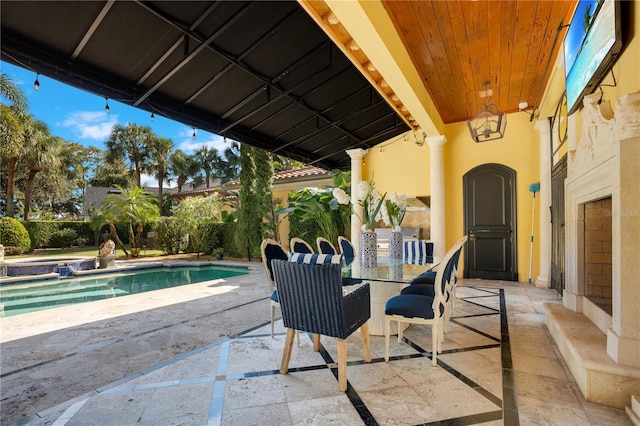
(260,72)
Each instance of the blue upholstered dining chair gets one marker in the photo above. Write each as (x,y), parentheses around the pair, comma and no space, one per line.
(424,284)
(312,300)
(325,246)
(270,250)
(298,245)
(417,252)
(421,309)
(347,250)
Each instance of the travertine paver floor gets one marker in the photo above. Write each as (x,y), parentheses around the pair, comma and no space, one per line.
(210,360)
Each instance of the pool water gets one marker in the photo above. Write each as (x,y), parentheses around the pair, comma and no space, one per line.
(46,294)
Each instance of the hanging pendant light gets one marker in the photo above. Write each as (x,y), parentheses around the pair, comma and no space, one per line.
(106,105)
(488,124)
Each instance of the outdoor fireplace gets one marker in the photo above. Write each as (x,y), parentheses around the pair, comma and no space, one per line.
(598,328)
(597,253)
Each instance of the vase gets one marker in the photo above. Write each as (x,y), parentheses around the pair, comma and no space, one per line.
(368,249)
(395,245)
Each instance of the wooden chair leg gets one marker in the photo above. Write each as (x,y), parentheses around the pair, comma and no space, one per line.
(316,342)
(400,330)
(273,318)
(364,334)
(435,336)
(387,333)
(342,364)
(286,355)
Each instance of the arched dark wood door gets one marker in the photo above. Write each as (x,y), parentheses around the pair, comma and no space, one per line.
(490,222)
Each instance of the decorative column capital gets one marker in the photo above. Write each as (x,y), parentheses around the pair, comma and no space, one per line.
(356,154)
(436,141)
(543,126)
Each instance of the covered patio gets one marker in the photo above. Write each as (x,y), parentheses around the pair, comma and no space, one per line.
(210,360)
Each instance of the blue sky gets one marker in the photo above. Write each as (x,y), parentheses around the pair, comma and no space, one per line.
(79,116)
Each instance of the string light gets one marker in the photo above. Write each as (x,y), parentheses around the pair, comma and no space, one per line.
(106,107)
(153,117)
(193,136)
(36,84)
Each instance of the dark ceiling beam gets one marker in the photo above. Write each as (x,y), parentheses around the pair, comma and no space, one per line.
(382,135)
(237,63)
(321,129)
(92,29)
(175,44)
(203,45)
(243,55)
(271,100)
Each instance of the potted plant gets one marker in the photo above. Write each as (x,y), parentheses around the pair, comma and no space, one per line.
(218,252)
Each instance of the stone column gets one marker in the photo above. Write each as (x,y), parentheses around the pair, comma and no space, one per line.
(544,238)
(356,176)
(623,338)
(436,166)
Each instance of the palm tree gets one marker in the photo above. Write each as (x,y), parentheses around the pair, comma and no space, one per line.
(12,135)
(130,143)
(42,151)
(184,167)
(209,161)
(158,161)
(133,207)
(230,167)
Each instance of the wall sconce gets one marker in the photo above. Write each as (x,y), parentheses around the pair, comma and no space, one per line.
(488,124)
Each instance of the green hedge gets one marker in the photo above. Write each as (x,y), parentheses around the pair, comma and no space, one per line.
(41,231)
(14,236)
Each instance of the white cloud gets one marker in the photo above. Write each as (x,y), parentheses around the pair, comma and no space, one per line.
(94,125)
(189,145)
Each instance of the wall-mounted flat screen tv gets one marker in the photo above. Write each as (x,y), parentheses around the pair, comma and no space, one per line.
(591,47)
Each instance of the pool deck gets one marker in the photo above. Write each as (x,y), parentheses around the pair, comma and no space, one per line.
(202,355)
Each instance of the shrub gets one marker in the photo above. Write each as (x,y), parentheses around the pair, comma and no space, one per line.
(63,238)
(14,234)
(170,237)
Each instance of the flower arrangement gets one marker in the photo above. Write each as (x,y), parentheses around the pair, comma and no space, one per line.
(371,202)
(394,210)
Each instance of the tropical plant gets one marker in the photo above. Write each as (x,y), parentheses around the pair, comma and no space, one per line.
(13,118)
(394,210)
(133,207)
(184,168)
(169,235)
(209,161)
(195,214)
(328,208)
(230,167)
(130,143)
(158,161)
(42,152)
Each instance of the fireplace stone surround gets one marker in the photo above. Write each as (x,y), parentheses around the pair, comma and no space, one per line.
(603,350)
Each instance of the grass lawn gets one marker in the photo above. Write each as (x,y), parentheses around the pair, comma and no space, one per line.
(86,251)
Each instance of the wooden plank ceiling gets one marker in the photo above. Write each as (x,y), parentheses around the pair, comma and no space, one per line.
(457,45)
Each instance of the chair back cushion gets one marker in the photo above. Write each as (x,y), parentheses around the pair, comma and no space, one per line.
(417,252)
(313,259)
(347,250)
(325,247)
(300,246)
(274,251)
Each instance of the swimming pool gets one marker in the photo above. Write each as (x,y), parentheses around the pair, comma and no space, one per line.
(34,296)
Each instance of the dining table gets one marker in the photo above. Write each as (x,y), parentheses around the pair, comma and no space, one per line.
(386,280)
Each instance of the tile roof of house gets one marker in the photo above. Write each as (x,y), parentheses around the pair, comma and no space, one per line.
(304,173)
